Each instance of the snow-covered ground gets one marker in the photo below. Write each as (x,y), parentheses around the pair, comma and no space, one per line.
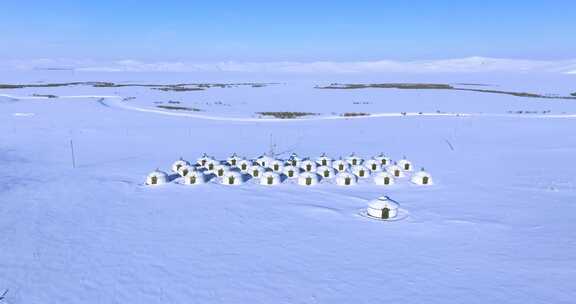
(498,225)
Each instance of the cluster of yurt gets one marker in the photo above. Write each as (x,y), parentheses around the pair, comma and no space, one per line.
(271,171)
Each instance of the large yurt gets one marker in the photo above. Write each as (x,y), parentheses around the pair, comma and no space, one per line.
(221,169)
(405,164)
(234,160)
(421,178)
(270,178)
(194,178)
(326,172)
(232,178)
(185,170)
(346,179)
(157,177)
(361,171)
(256,171)
(264,160)
(354,160)
(211,164)
(308,179)
(395,170)
(382,208)
(383,178)
(204,159)
(308,165)
(383,159)
(373,165)
(244,165)
(340,165)
(291,171)
(324,160)
(276,165)
(179,163)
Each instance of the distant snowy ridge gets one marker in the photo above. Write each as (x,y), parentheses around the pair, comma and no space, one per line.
(469,64)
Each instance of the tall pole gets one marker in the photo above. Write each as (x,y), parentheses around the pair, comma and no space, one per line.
(72,154)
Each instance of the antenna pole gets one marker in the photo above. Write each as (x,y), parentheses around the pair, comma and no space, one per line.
(72,153)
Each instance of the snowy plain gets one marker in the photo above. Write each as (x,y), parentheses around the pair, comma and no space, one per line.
(497,226)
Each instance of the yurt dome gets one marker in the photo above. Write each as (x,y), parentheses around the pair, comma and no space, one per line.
(373,165)
(231,178)
(157,177)
(340,165)
(179,163)
(422,178)
(270,178)
(354,160)
(361,171)
(308,179)
(234,160)
(395,170)
(276,165)
(382,208)
(291,171)
(256,171)
(326,172)
(324,160)
(211,164)
(346,179)
(383,159)
(194,178)
(383,178)
(244,165)
(294,160)
(405,165)
(185,170)
(264,160)
(220,170)
(204,159)
(308,165)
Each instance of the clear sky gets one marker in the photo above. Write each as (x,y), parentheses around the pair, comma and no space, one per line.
(286,30)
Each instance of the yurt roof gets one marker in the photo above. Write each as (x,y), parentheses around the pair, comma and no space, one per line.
(158,173)
(383,202)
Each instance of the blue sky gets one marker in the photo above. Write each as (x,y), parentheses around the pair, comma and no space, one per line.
(287,30)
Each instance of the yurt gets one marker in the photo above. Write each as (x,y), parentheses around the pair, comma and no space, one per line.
(204,159)
(256,171)
(157,178)
(179,163)
(340,165)
(244,165)
(395,170)
(220,170)
(211,164)
(308,165)
(234,160)
(270,179)
(291,171)
(405,165)
(264,160)
(373,165)
(185,170)
(293,162)
(346,179)
(231,178)
(276,165)
(383,178)
(354,160)
(383,159)
(382,208)
(326,172)
(308,179)
(324,160)
(194,178)
(422,178)
(361,171)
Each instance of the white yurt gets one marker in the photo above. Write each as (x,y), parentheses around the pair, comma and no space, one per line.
(234,160)
(264,160)
(220,170)
(157,177)
(256,171)
(185,170)
(179,163)
(291,171)
(340,165)
(326,172)
(324,160)
(346,179)
(211,164)
(244,165)
(373,165)
(422,178)
(395,170)
(354,160)
(308,179)
(270,179)
(382,208)
(294,160)
(232,178)
(194,178)
(308,165)
(383,178)
(361,171)
(383,159)
(276,165)
(405,164)
(204,159)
